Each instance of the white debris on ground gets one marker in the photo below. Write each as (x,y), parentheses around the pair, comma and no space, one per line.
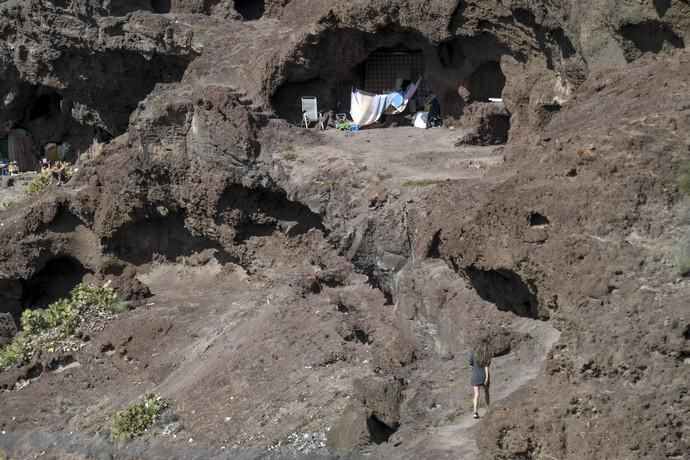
(302,442)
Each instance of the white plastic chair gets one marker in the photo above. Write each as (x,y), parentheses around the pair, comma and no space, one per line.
(310,111)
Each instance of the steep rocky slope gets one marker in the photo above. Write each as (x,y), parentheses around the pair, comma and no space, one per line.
(292,285)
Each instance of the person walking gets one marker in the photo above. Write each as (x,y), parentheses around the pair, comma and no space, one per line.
(480,360)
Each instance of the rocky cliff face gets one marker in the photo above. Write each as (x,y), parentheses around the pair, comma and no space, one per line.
(305,285)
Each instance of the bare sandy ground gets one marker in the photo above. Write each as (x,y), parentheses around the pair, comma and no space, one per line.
(406,153)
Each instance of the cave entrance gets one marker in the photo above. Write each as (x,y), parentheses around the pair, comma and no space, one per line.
(44,105)
(161,6)
(487,82)
(457,72)
(161,238)
(505,289)
(372,63)
(54,281)
(648,37)
(48,120)
(250,9)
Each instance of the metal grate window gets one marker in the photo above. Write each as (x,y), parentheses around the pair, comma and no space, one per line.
(384,68)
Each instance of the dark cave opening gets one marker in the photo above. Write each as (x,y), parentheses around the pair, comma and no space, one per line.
(505,289)
(162,238)
(648,37)
(287,100)
(261,212)
(79,119)
(343,59)
(661,7)
(48,119)
(250,9)
(379,432)
(131,77)
(498,129)
(487,82)
(53,282)
(161,6)
(337,60)
(44,105)
(536,219)
(433,250)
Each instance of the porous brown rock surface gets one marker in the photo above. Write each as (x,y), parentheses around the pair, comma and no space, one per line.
(293,285)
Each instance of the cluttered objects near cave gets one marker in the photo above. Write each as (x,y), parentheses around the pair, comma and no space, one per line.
(405,82)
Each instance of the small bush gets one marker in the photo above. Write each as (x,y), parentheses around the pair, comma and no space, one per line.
(33,322)
(137,418)
(63,314)
(63,319)
(290,156)
(39,183)
(422,182)
(684,179)
(19,351)
(103,296)
(43,179)
(6,205)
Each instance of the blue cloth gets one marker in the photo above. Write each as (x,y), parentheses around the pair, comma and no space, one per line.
(396,99)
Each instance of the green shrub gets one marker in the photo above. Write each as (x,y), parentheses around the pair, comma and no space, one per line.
(43,179)
(65,316)
(137,418)
(684,179)
(290,156)
(103,296)
(33,322)
(39,183)
(17,352)
(6,205)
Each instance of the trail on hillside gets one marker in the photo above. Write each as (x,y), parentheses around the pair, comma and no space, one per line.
(509,373)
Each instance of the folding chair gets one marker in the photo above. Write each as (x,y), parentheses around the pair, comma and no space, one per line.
(310,110)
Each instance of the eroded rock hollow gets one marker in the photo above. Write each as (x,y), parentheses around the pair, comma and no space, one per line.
(293,291)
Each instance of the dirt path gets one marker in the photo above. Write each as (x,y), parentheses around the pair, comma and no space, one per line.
(508,374)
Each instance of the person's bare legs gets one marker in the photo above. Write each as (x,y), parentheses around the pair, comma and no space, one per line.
(476,399)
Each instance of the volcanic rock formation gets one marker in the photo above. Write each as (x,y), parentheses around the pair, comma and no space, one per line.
(295,285)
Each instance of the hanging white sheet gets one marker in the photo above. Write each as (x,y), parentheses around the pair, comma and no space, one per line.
(366,108)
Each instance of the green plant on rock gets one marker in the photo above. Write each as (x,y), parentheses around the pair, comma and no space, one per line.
(39,183)
(33,322)
(44,178)
(102,296)
(64,316)
(137,418)
(684,179)
(19,351)
(6,205)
